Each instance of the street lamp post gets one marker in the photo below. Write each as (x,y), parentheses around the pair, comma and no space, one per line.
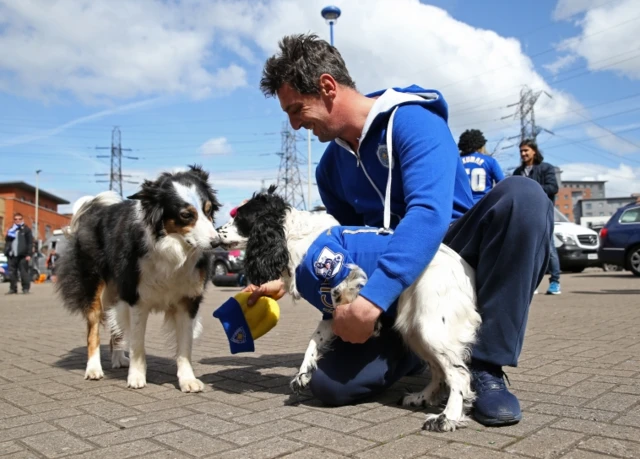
(331,15)
(37,202)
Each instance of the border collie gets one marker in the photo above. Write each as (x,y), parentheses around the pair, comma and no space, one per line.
(436,315)
(150,253)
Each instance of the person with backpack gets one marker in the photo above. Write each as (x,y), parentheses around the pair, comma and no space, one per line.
(483,170)
(534,167)
(392,163)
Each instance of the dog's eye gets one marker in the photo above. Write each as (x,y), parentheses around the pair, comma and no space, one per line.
(185,214)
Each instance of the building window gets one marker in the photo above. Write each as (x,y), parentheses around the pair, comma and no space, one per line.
(566,206)
(600,204)
(567,215)
(587,206)
(588,214)
(602,214)
(566,196)
(47,232)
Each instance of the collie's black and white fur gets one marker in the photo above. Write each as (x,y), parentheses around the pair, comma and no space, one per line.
(437,315)
(127,258)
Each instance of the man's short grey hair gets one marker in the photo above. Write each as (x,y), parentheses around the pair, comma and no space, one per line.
(301,61)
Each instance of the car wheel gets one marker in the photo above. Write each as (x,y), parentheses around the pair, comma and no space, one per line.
(220,269)
(633,260)
(611,268)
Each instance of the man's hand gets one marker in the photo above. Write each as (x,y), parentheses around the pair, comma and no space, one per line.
(28,258)
(355,322)
(274,289)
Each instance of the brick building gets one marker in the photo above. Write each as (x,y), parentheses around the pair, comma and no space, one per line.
(21,197)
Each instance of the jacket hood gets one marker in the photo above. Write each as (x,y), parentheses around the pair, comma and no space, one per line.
(388,99)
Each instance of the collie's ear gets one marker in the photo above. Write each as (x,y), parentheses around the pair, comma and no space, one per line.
(149,197)
(198,171)
(267,255)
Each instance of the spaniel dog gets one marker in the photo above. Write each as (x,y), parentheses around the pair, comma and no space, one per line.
(436,315)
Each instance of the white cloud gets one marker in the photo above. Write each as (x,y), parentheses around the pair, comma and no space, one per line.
(561,63)
(566,9)
(216,146)
(609,35)
(621,181)
(97,50)
(611,142)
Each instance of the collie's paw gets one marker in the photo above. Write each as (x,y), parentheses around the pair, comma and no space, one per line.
(441,423)
(414,399)
(191,385)
(300,382)
(136,379)
(94,372)
(119,360)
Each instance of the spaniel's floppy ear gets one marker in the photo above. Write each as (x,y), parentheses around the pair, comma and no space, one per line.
(267,255)
(149,197)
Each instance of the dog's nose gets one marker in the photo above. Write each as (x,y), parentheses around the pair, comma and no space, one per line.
(215,243)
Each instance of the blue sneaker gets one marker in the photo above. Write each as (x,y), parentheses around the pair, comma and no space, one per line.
(494,405)
(554,288)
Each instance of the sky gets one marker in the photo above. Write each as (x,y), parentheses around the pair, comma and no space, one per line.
(180,80)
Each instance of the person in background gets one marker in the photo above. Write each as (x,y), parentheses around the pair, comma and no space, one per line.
(483,170)
(534,167)
(18,248)
(51,264)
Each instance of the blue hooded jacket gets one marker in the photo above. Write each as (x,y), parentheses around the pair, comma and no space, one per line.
(326,263)
(429,187)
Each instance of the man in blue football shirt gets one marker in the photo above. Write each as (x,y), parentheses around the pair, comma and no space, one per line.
(483,170)
(392,162)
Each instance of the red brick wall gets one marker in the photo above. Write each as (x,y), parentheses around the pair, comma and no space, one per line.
(564,200)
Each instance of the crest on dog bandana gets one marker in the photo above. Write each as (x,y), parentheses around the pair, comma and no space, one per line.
(328,263)
(383,155)
(239,336)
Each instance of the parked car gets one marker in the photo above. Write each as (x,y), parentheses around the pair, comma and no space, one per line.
(35,268)
(228,268)
(620,239)
(577,245)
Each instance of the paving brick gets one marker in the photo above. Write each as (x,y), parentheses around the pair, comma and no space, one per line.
(313,453)
(581,454)
(220,410)
(611,446)
(571,412)
(598,428)
(391,429)
(406,447)
(86,425)
(135,448)
(56,444)
(588,389)
(25,431)
(614,402)
(271,448)
(135,433)
(109,410)
(244,436)
(331,421)
(24,397)
(460,450)
(188,399)
(7,410)
(193,443)
(557,399)
(150,418)
(9,447)
(530,423)
(51,388)
(272,414)
(345,444)
(207,424)
(128,397)
(546,443)
(480,437)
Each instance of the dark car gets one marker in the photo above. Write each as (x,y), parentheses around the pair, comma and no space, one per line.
(620,239)
(228,267)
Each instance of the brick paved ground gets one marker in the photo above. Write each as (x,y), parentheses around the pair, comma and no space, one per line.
(579,383)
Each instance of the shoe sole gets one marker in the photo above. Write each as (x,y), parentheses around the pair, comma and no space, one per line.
(495,422)
(554,293)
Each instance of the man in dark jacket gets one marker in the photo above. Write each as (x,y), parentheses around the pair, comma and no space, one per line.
(544,173)
(18,248)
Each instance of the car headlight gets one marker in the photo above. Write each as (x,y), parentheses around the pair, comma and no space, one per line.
(566,239)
